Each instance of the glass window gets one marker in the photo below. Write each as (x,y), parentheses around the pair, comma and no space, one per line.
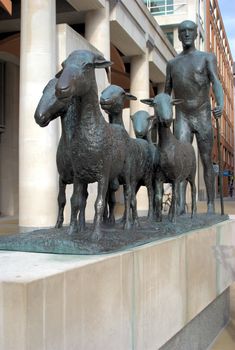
(160,7)
(170,37)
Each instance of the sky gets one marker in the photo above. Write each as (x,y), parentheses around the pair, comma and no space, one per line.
(227,9)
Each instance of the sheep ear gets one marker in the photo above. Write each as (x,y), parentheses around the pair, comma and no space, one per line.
(177,101)
(148,101)
(107,70)
(58,74)
(151,117)
(130,96)
(101,62)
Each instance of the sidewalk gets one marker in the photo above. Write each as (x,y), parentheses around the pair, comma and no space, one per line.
(8,225)
(229,205)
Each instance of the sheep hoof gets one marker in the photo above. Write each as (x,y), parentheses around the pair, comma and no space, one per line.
(127,226)
(73,229)
(111,220)
(96,235)
(59,224)
(158,218)
(181,211)
(123,219)
(210,208)
(105,220)
(81,228)
(136,223)
(150,218)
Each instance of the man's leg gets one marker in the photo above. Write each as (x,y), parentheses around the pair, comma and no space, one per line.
(205,146)
(183,133)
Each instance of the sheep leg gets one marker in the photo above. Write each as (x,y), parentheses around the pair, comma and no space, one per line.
(114,186)
(105,215)
(112,203)
(150,199)
(171,207)
(61,203)
(158,199)
(134,204)
(81,217)
(181,198)
(76,203)
(99,206)
(127,197)
(193,196)
(172,214)
(154,204)
(123,219)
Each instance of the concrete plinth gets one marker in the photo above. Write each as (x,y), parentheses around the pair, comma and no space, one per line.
(137,299)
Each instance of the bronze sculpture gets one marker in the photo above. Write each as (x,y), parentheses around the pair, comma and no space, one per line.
(177,159)
(143,124)
(189,76)
(49,108)
(139,152)
(89,144)
(112,101)
(91,150)
(98,149)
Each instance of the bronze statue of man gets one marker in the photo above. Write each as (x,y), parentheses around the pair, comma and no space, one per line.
(189,75)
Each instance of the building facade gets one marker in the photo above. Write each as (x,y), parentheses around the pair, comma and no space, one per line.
(6,5)
(34,40)
(211,38)
(217,42)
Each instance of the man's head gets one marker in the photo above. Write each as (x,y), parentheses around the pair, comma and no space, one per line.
(187,33)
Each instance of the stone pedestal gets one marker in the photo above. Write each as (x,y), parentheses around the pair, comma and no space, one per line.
(137,299)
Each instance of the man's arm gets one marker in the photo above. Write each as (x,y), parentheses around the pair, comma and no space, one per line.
(168,83)
(216,85)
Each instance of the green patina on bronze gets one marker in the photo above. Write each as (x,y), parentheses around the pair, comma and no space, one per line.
(57,241)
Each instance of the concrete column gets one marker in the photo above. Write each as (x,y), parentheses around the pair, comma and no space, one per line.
(37,146)
(139,83)
(9,154)
(97,33)
(97,29)
(139,87)
(160,87)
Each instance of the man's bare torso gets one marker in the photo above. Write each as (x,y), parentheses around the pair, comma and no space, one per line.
(190,80)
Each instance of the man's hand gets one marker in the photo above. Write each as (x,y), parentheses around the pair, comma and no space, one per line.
(217,111)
